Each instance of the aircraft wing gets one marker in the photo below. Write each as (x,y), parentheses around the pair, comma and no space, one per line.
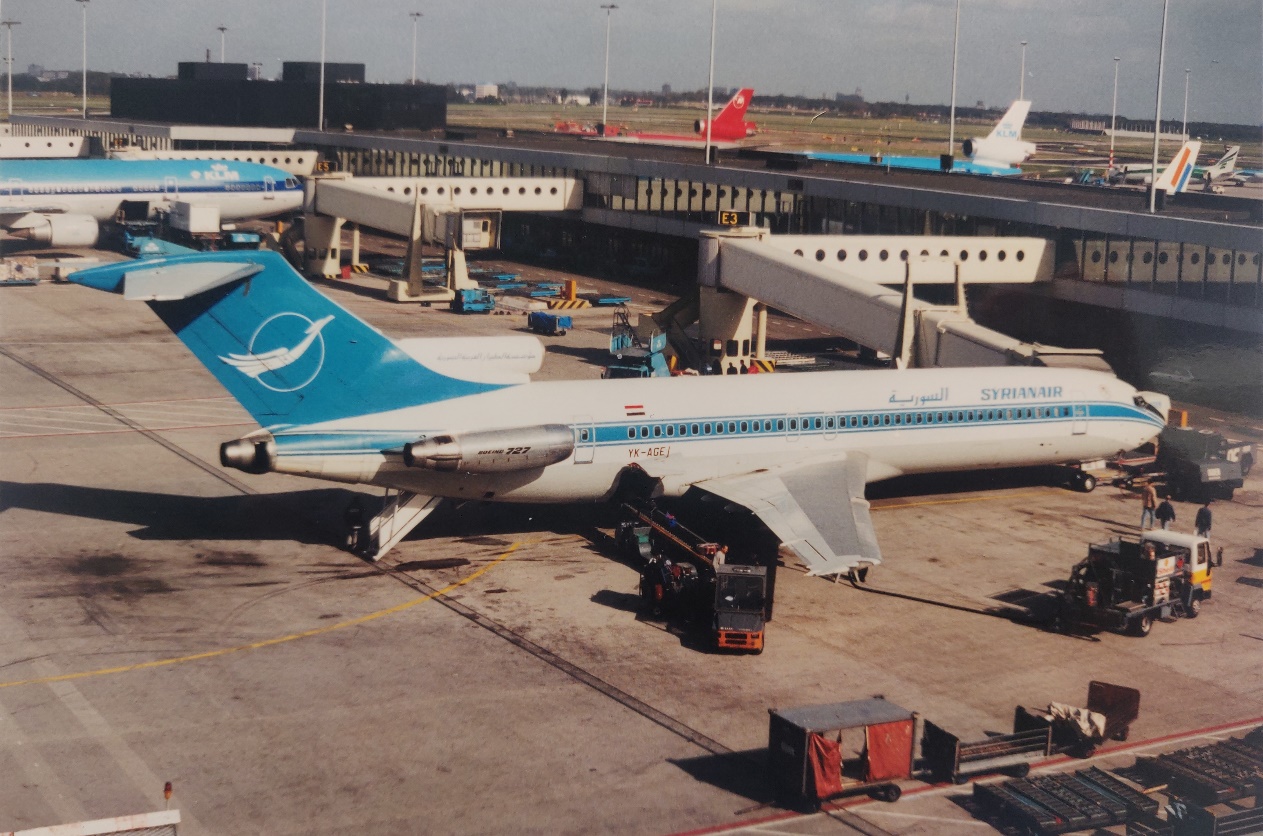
(818,510)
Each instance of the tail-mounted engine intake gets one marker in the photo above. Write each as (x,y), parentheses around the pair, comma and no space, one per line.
(253,455)
(58,230)
(492,451)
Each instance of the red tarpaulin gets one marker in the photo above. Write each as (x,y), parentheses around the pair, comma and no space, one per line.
(825,758)
(889,750)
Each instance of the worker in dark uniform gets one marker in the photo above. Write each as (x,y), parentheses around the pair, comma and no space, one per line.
(1165,515)
(1203,520)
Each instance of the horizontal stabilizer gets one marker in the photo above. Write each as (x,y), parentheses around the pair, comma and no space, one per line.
(166,284)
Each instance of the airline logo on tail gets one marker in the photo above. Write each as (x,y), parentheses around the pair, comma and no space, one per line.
(1177,174)
(281,330)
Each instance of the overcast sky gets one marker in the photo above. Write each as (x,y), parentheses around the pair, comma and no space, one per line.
(887,48)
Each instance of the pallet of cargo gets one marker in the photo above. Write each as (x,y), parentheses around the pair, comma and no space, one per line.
(1005,805)
(1137,802)
(1062,787)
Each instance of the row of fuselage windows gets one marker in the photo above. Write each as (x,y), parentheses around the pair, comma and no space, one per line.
(116,188)
(150,189)
(834,423)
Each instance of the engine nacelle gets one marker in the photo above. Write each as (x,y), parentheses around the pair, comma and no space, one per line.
(1001,151)
(57,230)
(725,132)
(492,451)
(252,455)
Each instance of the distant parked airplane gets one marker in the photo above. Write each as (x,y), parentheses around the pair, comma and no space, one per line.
(63,202)
(1174,178)
(996,154)
(725,130)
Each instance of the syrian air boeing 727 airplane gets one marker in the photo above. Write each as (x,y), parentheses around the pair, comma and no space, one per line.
(338,400)
(63,202)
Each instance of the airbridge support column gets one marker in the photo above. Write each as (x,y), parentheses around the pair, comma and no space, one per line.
(322,247)
(726,319)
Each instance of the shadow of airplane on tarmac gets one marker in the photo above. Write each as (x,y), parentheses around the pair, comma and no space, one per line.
(311,516)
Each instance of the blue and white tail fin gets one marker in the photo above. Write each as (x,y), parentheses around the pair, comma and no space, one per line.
(1010,124)
(287,353)
(1176,176)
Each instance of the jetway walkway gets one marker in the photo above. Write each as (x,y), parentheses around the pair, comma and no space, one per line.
(804,276)
(457,214)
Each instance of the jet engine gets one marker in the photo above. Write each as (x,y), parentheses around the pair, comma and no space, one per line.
(57,230)
(724,132)
(492,451)
(252,455)
(997,151)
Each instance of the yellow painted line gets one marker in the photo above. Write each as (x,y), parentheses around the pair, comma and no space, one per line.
(959,501)
(211,654)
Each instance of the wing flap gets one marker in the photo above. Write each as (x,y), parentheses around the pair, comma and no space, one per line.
(818,511)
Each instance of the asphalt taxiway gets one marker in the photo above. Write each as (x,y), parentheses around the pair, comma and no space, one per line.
(164,619)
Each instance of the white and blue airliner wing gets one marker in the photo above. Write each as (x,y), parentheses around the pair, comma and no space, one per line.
(817,510)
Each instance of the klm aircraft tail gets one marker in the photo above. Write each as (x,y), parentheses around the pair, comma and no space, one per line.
(287,353)
(1010,124)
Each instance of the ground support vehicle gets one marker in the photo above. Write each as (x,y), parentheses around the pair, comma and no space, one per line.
(739,607)
(635,356)
(1125,584)
(1202,464)
(1110,711)
(473,300)
(818,752)
(547,324)
(680,578)
(1192,464)
(948,758)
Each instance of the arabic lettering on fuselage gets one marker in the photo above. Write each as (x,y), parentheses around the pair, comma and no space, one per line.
(921,399)
(1013,393)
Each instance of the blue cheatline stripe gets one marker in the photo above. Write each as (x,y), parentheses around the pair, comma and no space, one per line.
(297,442)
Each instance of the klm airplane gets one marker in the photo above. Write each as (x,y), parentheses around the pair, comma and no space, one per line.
(63,202)
(338,400)
(995,155)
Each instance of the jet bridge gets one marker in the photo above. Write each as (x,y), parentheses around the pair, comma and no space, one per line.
(844,284)
(458,214)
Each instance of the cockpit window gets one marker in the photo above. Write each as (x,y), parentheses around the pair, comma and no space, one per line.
(291,183)
(1144,404)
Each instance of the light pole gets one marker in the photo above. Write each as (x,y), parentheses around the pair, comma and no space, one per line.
(605,90)
(710,79)
(951,129)
(9,24)
(320,107)
(84,4)
(1157,111)
(1021,82)
(222,29)
(416,16)
(1114,112)
(1185,129)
